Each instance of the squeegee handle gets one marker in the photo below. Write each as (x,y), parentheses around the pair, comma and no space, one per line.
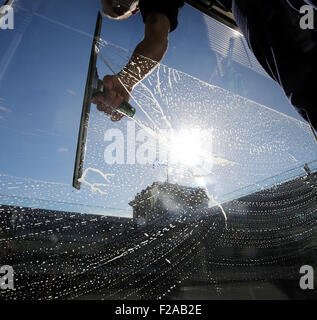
(125,106)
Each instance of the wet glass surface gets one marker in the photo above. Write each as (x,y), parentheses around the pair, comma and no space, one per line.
(208,192)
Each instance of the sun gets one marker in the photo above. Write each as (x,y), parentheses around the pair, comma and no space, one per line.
(185,147)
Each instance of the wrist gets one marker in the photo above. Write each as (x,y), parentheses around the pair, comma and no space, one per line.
(127,79)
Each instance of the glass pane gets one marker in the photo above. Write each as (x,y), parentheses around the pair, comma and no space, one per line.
(212,183)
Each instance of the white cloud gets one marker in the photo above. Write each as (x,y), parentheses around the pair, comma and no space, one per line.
(63,149)
(73,93)
(5,109)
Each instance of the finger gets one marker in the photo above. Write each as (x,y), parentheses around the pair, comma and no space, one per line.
(100,102)
(108,82)
(97,99)
(99,107)
(116,116)
(110,98)
(120,88)
(106,109)
(123,90)
(126,96)
(114,101)
(117,101)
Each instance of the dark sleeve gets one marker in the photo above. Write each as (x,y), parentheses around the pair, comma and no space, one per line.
(167,7)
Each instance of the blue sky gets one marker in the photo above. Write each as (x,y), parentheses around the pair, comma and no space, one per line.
(45,59)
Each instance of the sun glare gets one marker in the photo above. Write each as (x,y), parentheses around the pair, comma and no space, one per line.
(186,148)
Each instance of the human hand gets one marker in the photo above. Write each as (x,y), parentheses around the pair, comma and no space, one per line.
(116,95)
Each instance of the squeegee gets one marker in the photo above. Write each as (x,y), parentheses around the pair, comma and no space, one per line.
(94,87)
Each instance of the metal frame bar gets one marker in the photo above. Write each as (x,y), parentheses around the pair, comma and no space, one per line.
(84,121)
(209,8)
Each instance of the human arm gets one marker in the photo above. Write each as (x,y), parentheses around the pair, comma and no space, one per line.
(146,56)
